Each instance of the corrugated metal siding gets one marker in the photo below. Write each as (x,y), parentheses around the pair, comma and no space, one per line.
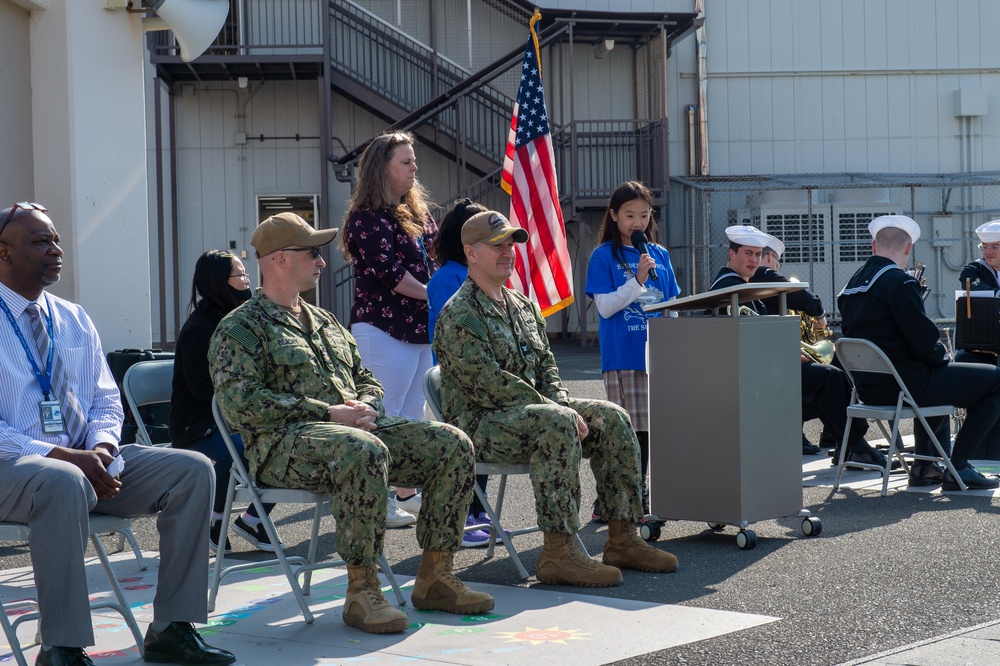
(863,85)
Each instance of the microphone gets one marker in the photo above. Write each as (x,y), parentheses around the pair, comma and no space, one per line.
(639,241)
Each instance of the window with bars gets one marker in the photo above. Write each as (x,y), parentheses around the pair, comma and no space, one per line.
(853,240)
(804,235)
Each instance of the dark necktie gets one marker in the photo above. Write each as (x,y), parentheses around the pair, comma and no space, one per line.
(74,419)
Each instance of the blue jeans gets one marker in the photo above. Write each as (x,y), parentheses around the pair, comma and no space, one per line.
(214,448)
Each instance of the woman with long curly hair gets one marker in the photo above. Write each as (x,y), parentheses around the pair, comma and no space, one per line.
(386,235)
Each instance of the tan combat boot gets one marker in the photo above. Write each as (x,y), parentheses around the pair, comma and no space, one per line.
(563,563)
(437,588)
(625,549)
(366,609)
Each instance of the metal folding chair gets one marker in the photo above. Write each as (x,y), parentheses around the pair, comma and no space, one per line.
(859,355)
(145,383)
(244,489)
(432,393)
(99,524)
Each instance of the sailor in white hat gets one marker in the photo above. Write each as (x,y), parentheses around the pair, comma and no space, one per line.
(983,274)
(882,304)
(907,224)
(746,244)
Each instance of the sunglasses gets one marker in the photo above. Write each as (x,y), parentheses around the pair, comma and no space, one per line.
(21,205)
(313,251)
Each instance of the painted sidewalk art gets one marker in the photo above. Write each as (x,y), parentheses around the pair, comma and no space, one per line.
(258,619)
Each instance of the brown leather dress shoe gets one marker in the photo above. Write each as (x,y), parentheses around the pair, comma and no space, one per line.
(179,643)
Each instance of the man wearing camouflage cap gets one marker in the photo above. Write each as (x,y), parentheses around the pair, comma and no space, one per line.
(500,383)
(289,377)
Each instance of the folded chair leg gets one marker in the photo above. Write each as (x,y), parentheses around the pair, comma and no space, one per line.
(123,605)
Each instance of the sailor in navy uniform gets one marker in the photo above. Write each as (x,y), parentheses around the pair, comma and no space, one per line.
(882,303)
(826,391)
(982,275)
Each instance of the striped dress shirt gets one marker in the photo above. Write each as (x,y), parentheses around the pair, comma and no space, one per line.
(79,347)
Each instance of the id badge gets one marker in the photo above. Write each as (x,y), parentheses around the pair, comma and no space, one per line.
(52,420)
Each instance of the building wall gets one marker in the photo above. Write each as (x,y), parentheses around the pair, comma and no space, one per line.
(219,179)
(16,175)
(801,86)
(73,114)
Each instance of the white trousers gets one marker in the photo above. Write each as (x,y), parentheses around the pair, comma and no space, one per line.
(398,366)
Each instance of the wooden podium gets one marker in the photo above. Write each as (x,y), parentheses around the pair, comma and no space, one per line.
(725,411)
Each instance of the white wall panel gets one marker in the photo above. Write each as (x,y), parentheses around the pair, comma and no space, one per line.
(736,35)
(759,104)
(979,21)
(855,105)
(807,35)
(830,32)
(856,155)
(810,156)
(761,35)
(875,17)
(782,43)
(808,107)
(855,27)
(878,156)
(739,113)
(761,157)
(900,154)
(942,30)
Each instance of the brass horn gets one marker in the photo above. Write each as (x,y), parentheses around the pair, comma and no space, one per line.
(813,340)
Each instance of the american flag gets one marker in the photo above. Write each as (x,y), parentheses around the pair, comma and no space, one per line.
(542,271)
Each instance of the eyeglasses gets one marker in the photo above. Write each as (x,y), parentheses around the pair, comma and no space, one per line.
(21,205)
(242,276)
(314,252)
(989,247)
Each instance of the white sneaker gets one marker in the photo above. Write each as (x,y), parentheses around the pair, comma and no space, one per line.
(397,517)
(411,504)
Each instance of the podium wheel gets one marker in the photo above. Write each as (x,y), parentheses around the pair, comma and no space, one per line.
(812,526)
(746,539)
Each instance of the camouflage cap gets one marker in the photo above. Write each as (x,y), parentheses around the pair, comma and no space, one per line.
(287,230)
(491,228)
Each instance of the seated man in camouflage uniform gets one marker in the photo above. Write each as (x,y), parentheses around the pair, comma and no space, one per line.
(500,383)
(289,377)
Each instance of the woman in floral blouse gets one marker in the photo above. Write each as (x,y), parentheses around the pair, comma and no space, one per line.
(386,233)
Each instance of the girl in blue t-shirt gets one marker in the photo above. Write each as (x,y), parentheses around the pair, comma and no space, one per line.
(619,282)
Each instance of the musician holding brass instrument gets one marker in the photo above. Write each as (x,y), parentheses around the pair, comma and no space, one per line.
(983,274)
(882,304)
(826,391)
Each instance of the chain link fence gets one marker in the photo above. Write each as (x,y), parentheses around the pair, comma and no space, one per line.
(823,221)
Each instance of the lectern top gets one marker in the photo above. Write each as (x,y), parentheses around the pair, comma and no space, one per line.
(719,298)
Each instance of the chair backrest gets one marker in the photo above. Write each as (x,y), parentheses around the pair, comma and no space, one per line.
(432,391)
(239,469)
(860,355)
(147,383)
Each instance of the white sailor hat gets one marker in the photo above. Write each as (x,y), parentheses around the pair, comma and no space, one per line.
(776,246)
(989,232)
(752,236)
(911,228)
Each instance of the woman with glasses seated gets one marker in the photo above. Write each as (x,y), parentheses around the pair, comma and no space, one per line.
(386,233)
(220,285)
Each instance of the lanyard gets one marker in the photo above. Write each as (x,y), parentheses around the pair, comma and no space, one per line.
(44,379)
